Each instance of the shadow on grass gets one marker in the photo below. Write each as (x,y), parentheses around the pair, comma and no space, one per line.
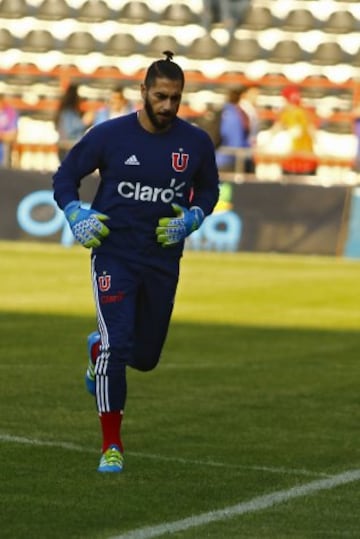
(48,335)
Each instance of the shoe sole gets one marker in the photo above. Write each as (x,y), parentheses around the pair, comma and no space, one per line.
(110,469)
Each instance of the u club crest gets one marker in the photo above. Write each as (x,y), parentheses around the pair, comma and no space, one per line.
(179,161)
(104,282)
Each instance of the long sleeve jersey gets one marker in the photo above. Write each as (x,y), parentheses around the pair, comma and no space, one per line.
(141,175)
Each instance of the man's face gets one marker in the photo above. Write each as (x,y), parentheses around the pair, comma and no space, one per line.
(162,101)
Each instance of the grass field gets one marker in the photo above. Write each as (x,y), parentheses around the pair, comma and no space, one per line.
(249,427)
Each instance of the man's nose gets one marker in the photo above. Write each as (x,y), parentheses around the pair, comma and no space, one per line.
(167,104)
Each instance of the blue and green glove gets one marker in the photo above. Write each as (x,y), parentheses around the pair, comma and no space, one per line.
(86,224)
(172,230)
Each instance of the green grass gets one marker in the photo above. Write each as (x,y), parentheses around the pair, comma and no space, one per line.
(257,391)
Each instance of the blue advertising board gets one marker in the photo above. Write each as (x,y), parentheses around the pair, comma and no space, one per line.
(256,216)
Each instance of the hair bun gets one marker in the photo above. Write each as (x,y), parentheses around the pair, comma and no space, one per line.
(169,55)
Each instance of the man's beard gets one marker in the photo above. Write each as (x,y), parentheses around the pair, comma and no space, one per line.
(159,123)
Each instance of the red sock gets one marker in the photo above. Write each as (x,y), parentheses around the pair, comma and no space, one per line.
(95,351)
(111,425)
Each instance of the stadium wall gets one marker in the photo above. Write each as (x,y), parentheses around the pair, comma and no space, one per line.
(259,216)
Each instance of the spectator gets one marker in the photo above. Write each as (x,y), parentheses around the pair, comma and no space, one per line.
(209,120)
(239,127)
(230,13)
(297,121)
(118,106)
(8,130)
(70,122)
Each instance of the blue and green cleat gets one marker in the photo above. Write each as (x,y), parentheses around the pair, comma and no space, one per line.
(112,460)
(93,342)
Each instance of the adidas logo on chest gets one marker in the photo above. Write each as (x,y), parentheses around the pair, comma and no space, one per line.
(132,160)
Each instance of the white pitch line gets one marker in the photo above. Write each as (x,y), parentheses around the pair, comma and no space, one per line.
(210,463)
(256,504)
(164,458)
(44,443)
(215,464)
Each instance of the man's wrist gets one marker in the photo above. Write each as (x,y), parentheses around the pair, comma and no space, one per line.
(71,206)
(199,216)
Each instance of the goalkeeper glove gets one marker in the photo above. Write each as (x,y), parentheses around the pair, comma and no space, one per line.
(86,224)
(172,230)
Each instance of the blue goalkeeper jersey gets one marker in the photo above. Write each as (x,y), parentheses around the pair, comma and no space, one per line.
(141,175)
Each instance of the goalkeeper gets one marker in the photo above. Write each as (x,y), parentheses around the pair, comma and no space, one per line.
(158,181)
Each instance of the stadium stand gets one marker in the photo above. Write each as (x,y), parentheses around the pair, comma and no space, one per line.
(45,44)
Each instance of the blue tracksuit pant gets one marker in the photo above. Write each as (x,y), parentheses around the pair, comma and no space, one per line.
(134,303)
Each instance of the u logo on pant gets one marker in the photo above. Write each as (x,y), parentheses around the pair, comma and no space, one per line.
(104,282)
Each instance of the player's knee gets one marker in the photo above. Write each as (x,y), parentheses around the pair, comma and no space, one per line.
(144,364)
(144,368)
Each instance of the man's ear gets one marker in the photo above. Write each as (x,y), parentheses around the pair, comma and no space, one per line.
(142,90)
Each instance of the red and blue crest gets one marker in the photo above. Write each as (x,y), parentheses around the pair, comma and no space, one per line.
(179,161)
(104,282)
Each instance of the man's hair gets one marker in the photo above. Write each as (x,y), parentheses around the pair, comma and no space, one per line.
(164,69)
